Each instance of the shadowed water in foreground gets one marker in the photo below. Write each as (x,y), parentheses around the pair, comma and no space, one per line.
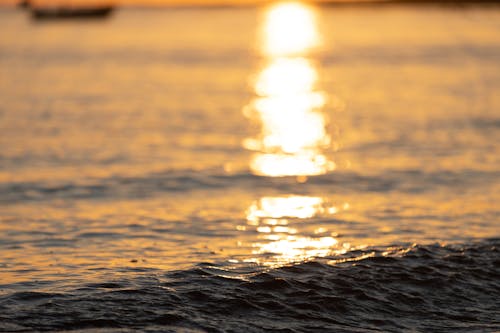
(194,170)
(417,288)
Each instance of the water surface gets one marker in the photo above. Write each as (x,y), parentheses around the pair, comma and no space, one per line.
(198,170)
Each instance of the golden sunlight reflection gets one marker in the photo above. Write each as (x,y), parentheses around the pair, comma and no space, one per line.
(289,29)
(301,207)
(275,220)
(287,104)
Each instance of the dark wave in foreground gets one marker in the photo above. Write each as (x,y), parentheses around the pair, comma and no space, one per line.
(430,288)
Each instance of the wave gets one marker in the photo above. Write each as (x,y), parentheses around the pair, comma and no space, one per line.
(149,185)
(431,288)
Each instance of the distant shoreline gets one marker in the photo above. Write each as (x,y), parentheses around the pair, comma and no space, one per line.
(387,3)
(322,3)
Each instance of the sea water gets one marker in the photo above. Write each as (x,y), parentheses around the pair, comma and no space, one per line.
(167,170)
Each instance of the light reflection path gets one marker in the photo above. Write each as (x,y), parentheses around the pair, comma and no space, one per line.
(276,220)
(293,136)
(287,104)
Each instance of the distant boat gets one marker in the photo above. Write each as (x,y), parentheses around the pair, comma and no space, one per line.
(24,4)
(62,12)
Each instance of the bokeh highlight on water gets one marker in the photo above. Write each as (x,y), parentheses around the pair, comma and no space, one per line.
(189,158)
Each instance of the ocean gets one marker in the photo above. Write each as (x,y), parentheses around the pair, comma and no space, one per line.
(282,169)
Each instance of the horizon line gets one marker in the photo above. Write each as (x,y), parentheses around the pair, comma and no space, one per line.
(253,3)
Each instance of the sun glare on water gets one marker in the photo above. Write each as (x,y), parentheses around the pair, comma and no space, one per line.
(287,103)
(289,29)
(275,218)
(293,137)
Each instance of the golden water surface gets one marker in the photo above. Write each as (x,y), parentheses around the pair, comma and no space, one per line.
(159,139)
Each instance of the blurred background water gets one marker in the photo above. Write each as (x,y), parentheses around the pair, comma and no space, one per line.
(162,140)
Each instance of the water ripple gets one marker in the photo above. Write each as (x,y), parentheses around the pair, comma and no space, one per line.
(427,288)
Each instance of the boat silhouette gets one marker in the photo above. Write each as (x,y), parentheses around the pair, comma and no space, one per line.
(67,12)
